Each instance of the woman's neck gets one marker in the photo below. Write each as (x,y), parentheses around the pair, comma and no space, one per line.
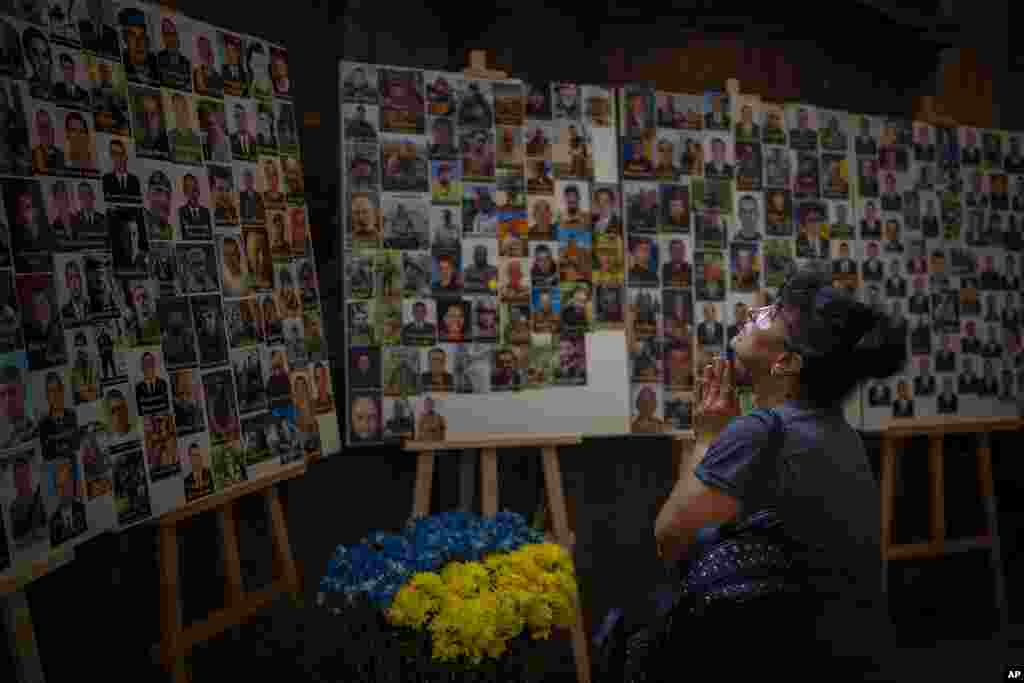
(774,391)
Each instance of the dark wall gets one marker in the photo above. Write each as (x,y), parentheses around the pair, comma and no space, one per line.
(613,493)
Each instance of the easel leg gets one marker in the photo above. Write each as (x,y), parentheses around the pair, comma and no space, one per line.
(937,492)
(467,488)
(988,497)
(173,659)
(230,555)
(424,484)
(888,477)
(284,561)
(560,521)
(489,482)
(21,637)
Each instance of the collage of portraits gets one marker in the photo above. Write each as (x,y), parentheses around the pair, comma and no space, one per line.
(724,195)
(483,226)
(160,325)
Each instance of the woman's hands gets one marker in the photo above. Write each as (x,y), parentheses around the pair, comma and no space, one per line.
(717,401)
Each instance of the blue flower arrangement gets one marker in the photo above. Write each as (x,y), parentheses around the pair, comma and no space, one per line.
(382,563)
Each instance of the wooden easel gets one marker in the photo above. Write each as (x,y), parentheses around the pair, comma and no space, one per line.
(177,640)
(17,618)
(894,433)
(489,445)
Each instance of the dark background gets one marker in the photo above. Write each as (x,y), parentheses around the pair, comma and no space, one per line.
(100,615)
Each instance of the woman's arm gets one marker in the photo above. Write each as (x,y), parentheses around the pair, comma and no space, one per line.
(691,506)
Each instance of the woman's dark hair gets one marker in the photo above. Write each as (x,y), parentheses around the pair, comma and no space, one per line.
(842,342)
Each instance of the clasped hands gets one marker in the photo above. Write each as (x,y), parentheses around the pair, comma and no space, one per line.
(717,400)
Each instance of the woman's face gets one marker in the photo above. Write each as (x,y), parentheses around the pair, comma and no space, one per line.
(758,347)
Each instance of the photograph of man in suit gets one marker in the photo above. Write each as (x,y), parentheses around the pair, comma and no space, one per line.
(30,232)
(68,518)
(28,509)
(718,118)
(198,482)
(76,311)
(865,143)
(437,378)
(188,410)
(158,211)
(40,58)
(131,251)
(175,68)
(97,33)
(676,272)
(903,406)
(870,225)
(196,222)
(419,328)
(151,136)
(250,201)
(15,426)
(68,93)
(225,211)
(844,265)
(968,382)
(243,146)
(718,166)
(58,428)
(120,185)
(47,158)
(139,62)
(947,401)
(358,127)
(88,224)
(924,383)
(206,78)
(710,331)
(746,129)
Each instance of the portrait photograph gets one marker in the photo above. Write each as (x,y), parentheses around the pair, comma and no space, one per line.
(572,360)
(645,310)
(610,306)
(223,196)
(213,130)
(566,101)
(287,128)
(406,222)
(48,138)
(250,379)
(475,104)
(359,83)
(232,69)
(161,446)
(477,147)
(509,150)
(443,91)
(365,418)
(183,129)
(404,164)
(402,102)
(149,125)
(15,148)
(221,406)
(363,171)
(24,476)
(646,409)
(207,62)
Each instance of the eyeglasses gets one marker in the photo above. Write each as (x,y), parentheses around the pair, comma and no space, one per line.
(763,316)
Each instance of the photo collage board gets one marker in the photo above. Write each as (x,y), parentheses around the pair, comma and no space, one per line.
(161,335)
(723,198)
(483,241)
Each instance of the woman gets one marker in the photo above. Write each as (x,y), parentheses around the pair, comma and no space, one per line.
(800,469)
